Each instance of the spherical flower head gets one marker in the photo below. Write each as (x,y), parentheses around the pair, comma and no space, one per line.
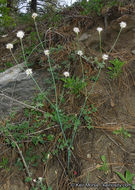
(40,179)
(123,24)
(47,52)
(20,34)
(34,15)
(80,53)
(9,46)
(66,74)
(28,72)
(76,30)
(105,56)
(99,29)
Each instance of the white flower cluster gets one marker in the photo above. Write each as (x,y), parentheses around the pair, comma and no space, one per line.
(20,34)
(34,15)
(80,53)
(9,46)
(28,72)
(105,57)
(66,74)
(123,25)
(46,52)
(99,29)
(76,30)
(39,179)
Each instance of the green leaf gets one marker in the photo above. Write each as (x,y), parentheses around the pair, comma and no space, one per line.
(103,158)
(110,68)
(133,186)
(28,179)
(50,137)
(121,176)
(129,176)
(49,188)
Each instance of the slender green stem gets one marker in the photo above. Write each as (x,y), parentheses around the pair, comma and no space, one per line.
(56,100)
(83,75)
(38,35)
(53,81)
(61,97)
(33,50)
(25,62)
(14,57)
(78,47)
(36,83)
(100,43)
(115,41)
(69,154)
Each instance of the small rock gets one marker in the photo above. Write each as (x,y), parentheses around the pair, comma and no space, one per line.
(133,51)
(84,36)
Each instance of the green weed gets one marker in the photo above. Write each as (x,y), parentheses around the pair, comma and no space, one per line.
(86,114)
(4,163)
(123,132)
(74,85)
(127,178)
(116,68)
(104,166)
(92,6)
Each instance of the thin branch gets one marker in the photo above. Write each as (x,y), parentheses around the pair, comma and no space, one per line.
(22,103)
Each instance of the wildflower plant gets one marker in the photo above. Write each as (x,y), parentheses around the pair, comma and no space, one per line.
(123,132)
(47,53)
(34,15)
(122,26)
(75,85)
